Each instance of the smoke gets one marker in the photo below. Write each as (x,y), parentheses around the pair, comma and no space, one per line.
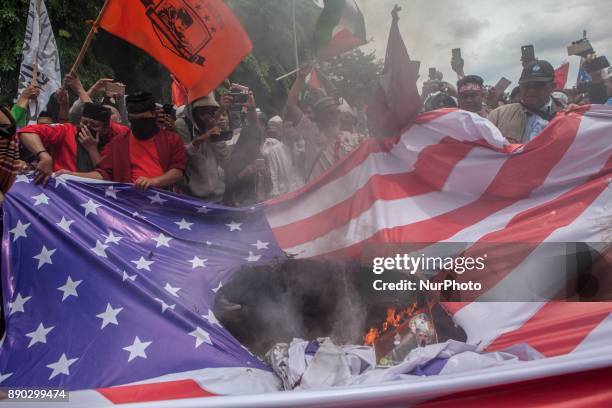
(274,303)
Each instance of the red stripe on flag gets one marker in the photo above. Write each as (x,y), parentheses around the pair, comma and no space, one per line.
(557,328)
(583,389)
(516,179)
(431,170)
(342,168)
(346,164)
(530,227)
(168,390)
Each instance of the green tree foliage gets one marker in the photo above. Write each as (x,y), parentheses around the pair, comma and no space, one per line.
(268,23)
(352,72)
(108,56)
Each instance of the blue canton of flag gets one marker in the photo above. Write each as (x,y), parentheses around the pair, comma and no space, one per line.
(105,285)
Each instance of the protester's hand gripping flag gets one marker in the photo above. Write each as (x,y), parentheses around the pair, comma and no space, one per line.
(340,28)
(199,42)
(40,58)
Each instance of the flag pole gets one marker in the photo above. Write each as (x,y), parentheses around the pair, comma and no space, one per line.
(295,45)
(33,104)
(88,39)
(35,65)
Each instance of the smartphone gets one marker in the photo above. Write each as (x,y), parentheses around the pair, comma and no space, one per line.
(169,110)
(527,53)
(457,53)
(432,73)
(501,85)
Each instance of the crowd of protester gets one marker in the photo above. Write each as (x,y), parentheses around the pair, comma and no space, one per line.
(223,148)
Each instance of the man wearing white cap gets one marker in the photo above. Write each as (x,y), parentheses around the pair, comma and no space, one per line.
(278,156)
(202,119)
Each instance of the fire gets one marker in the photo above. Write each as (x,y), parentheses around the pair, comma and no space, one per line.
(394,318)
(370,337)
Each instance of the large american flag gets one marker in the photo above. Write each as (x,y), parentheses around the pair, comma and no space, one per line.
(106,286)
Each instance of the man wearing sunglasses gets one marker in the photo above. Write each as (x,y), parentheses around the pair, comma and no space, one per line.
(523,121)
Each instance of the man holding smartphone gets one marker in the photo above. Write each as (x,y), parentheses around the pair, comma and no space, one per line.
(201,129)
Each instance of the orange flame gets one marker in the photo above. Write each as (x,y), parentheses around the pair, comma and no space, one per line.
(394,319)
(370,337)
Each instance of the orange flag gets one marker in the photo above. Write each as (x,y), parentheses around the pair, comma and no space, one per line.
(199,41)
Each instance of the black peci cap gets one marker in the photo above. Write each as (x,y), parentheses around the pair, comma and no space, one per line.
(140,102)
(96,111)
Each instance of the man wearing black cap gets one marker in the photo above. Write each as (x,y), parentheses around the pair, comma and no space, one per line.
(69,147)
(522,122)
(147,156)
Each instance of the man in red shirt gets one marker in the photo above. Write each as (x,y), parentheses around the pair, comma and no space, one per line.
(69,147)
(147,156)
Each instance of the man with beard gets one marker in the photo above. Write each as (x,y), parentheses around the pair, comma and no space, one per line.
(147,156)
(70,147)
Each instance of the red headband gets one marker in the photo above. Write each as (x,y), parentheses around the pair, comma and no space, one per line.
(470,86)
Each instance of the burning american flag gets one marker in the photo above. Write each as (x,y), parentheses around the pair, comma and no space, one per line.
(104,286)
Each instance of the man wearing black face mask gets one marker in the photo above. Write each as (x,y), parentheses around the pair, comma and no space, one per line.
(69,147)
(147,156)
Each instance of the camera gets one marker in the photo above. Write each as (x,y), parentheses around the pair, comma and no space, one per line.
(582,48)
(240,96)
(596,64)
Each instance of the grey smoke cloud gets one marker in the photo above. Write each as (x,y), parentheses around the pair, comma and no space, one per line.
(490,32)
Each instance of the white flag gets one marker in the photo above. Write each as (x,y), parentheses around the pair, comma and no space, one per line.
(39,49)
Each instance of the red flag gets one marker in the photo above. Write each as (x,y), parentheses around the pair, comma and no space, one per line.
(199,41)
(396,101)
(561,76)
(179,93)
(313,79)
